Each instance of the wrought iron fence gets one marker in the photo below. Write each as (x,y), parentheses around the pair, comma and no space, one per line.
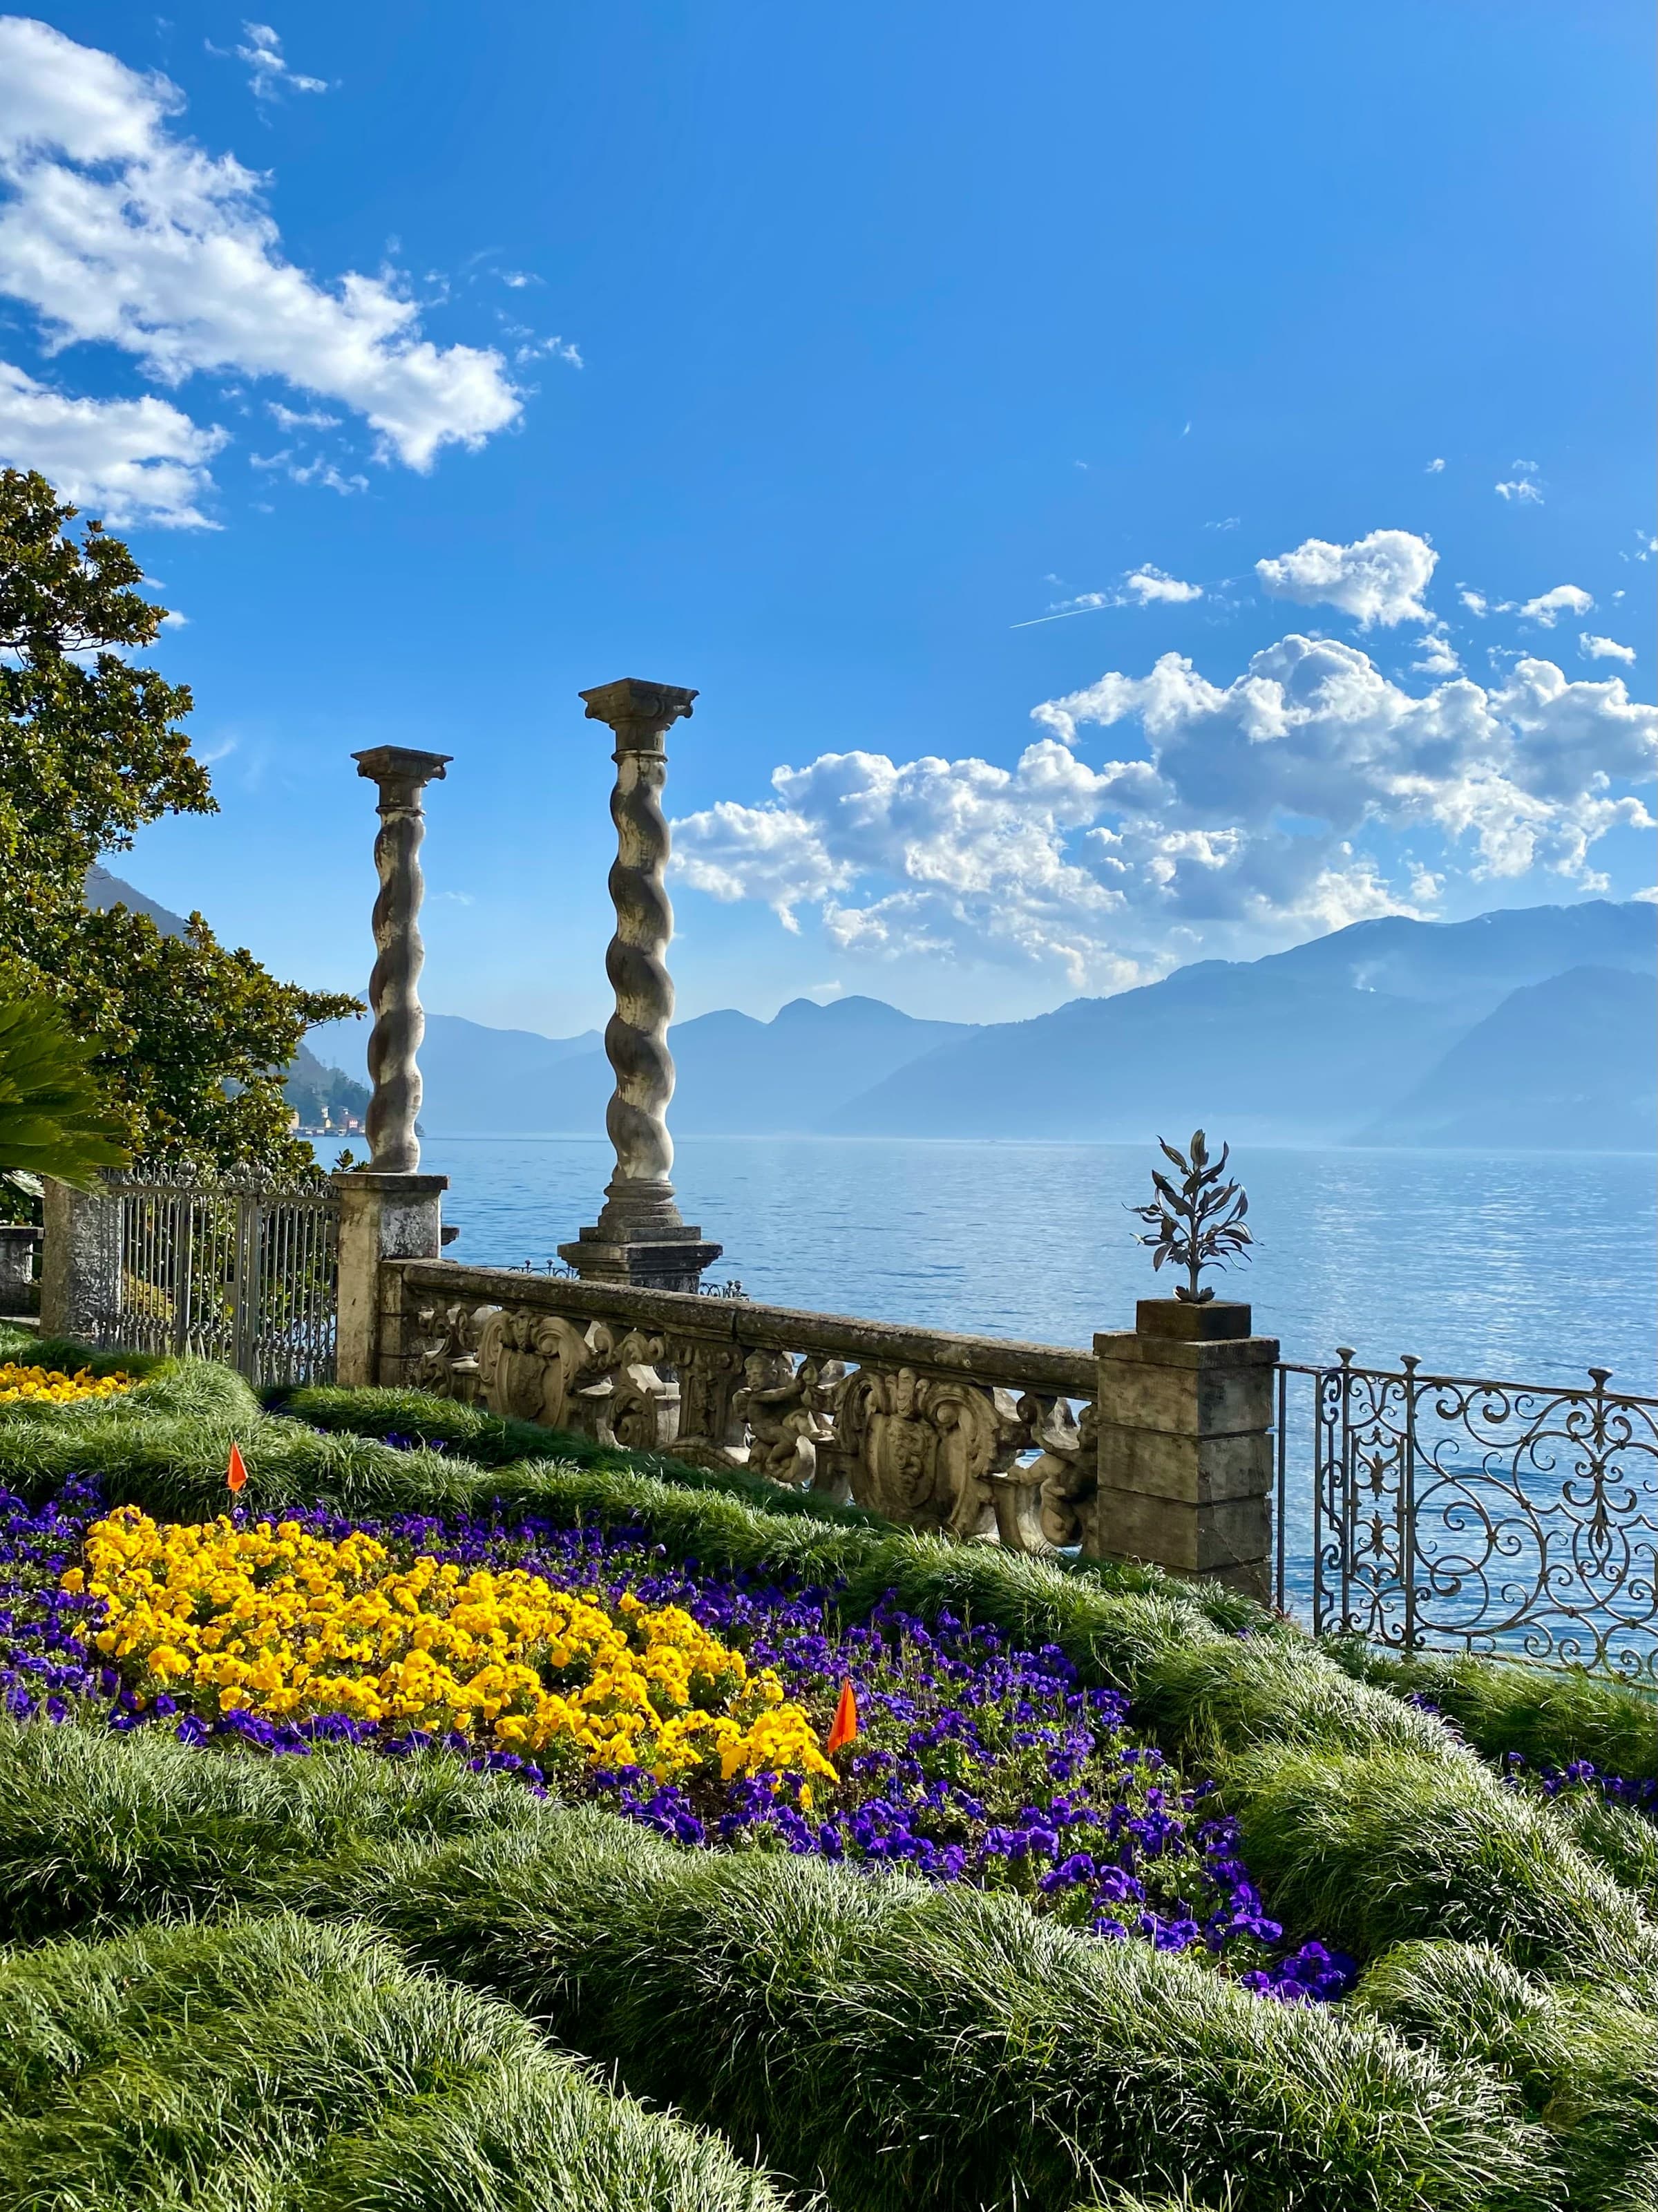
(1434,1511)
(247,1274)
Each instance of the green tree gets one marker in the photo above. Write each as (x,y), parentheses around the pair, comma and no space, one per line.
(190,1040)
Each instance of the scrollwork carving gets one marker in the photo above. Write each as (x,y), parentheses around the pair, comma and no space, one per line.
(941,1452)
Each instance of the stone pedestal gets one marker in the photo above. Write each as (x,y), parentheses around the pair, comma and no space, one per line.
(79,1260)
(1185,1443)
(626,1244)
(382,1217)
(19,1292)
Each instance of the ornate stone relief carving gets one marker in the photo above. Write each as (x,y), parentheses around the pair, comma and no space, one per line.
(933,1451)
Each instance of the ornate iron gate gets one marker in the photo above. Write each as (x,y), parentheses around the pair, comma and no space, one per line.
(247,1274)
(1420,1510)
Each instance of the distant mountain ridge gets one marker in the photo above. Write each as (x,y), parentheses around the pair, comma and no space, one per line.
(1530,1027)
(1307,1046)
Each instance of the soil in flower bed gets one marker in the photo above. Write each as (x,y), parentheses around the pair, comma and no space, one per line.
(975,1762)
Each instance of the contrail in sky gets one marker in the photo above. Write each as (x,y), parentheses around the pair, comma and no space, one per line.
(1066,615)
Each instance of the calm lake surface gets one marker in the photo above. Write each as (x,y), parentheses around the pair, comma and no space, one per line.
(1526,1266)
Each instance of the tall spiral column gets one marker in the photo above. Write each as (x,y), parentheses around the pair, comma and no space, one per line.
(639,1237)
(393,992)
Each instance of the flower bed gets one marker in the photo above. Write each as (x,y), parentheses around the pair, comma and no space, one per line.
(697,1704)
(52,1386)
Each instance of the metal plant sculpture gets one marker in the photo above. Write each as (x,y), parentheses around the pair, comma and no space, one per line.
(1200,1224)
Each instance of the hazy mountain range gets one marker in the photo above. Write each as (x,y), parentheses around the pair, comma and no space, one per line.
(1534,1027)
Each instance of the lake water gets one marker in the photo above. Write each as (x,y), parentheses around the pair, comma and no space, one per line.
(1528,1266)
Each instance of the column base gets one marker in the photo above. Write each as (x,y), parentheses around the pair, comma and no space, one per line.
(665,1259)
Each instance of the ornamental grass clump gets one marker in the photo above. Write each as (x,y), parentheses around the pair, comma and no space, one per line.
(903,2046)
(98,1830)
(1585,2061)
(1388,1847)
(279,2061)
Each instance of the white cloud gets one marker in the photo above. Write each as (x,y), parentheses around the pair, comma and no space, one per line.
(124,460)
(287,418)
(1245,816)
(1548,606)
(316,470)
(1140,587)
(1603,648)
(267,73)
(1521,488)
(117,230)
(1475,602)
(1227,522)
(1438,657)
(1434,468)
(1146,584)
(1378,579)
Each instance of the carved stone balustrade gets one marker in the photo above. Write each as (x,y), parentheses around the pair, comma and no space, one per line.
(969,1436)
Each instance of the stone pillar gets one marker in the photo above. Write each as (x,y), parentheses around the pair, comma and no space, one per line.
(393,995)
(639,1237)
(79,1260)
(382,1217)
(388,1211)
(1184,1441)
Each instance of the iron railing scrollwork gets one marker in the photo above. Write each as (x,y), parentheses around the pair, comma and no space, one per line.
(240,1272)
(1432,1510)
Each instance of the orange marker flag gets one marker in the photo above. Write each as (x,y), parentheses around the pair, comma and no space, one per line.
(844,1726)
(236,1477)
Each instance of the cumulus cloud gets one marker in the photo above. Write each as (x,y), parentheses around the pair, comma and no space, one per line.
(1146,584)
(125,460)
(1603,648)
(1434,468)
(1475,602)
(1246,813)
(268,72)
(117,230)
(1548,606)
(1378,579)
(1438,657)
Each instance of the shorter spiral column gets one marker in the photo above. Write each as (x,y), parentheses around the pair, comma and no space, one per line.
(639,1237)
(388,1210)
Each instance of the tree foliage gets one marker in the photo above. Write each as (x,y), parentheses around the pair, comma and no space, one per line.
(190,1039)
(53,1118)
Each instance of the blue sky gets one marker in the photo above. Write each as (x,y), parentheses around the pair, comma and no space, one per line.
(1129,484)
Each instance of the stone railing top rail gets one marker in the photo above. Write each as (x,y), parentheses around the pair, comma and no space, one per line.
(1056,1370)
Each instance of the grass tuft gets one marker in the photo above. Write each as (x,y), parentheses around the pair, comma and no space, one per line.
(1388,1847)
(275,2061)
(1584,2061)
(902,2046)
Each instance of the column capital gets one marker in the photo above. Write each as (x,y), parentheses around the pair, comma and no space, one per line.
(640,713)
(401,772)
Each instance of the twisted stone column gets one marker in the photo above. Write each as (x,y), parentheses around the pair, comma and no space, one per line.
(639,1237)
(400,1025)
